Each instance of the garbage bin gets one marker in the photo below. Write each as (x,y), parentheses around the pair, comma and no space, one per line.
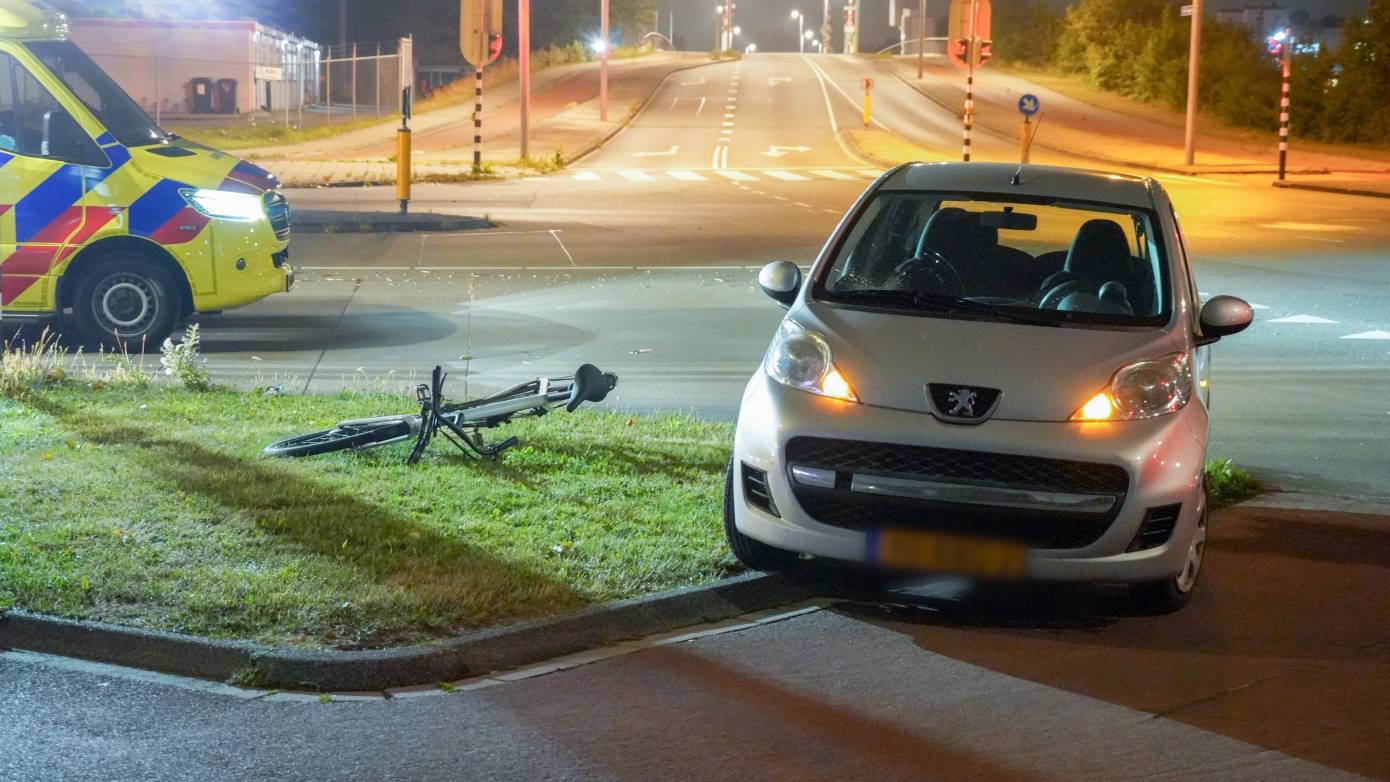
(202,95)
(226,96)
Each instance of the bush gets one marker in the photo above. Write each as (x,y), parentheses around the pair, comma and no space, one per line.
(184,362)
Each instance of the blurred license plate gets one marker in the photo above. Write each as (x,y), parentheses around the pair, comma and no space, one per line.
(913,550)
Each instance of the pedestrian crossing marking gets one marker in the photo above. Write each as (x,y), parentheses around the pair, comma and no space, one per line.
(737,176)
(828,174)
(637,176)
(588,176)
(868,172)
(786,176)
(687,176)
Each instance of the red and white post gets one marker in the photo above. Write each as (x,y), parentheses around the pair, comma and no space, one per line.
(971,57)
(478,121)
(603,65)
(523,56)
(1286,60)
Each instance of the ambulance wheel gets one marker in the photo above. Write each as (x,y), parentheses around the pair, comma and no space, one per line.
(126,303)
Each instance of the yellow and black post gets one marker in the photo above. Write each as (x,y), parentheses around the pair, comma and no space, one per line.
(403,175)
(868,102)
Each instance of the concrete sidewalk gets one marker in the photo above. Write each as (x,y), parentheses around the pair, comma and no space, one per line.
(1076,128)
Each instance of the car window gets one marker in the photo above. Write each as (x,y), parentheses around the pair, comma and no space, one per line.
(24,103)
(1056,260)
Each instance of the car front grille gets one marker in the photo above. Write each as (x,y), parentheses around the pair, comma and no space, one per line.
(278,210)
(844,507)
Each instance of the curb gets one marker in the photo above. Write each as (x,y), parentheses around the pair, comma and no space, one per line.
(1332,189)
(597,145)
(318,221)
(471,654)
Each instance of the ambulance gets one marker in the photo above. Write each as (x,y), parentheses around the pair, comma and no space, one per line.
(109,225)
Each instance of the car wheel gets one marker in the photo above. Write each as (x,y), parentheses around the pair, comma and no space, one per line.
(754,554)
(1170,594)
(125,302)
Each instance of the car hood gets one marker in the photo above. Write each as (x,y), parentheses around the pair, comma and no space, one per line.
(1045,373)
(195,165)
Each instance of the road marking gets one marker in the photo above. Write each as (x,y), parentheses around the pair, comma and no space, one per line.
(773,81)
(693,83)
(687,176)
(737,176)
(668,153)
(728,115)
(636,176)
(587,176)
(701,107)
(1323,239)
(871,173)
(775,151)
(720,158)
(1377,334)
(828,174)
(1312,319)
(825,77)
(1310,227)
(802,204)
(1196,180)
(785,176)
(563,248)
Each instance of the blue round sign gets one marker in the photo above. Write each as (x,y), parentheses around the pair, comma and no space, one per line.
(1029,105)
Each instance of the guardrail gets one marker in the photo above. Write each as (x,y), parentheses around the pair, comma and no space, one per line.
(930,46)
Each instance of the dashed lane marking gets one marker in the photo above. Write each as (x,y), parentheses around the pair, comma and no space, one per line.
(1377,334)
(1307,319)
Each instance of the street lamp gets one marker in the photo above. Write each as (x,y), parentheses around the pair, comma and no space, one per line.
(800,30)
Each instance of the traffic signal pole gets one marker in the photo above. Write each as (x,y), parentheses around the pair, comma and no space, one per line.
(603,67)
(523,56)
(1194,58)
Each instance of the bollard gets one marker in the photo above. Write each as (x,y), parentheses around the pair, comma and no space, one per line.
(867,100)
(1025,136)
(403,175)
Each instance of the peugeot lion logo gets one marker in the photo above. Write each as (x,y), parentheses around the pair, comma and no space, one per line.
(955,404)
(962,403)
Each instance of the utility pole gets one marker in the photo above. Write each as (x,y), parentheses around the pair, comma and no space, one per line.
(523,56)
(825,30)
(603,67)
(1194,58)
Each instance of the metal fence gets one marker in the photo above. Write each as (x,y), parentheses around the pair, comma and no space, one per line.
(365,79)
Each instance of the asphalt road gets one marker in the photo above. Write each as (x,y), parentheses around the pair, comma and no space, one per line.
(642,258)
(1260,678)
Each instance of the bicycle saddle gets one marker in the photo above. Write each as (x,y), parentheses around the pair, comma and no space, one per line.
(590,385)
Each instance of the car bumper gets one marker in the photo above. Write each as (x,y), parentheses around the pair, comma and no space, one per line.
(1162,458)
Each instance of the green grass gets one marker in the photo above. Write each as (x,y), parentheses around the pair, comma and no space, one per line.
(264,131)
(154,508)
(1227,484)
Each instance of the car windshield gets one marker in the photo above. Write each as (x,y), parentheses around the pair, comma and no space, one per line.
(112,106)
(1037,261)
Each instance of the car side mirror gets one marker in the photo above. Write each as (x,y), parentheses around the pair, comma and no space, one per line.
(1223,316)
(780,280)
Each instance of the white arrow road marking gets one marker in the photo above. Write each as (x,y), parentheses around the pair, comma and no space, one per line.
(687,176)
(785,176)
(776,151)
(1377,334)
(831,174)
(587,176)
(637,176)
(668,153)
(773,81)
(1301,319)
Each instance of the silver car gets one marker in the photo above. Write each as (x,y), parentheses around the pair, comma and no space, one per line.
(990,370)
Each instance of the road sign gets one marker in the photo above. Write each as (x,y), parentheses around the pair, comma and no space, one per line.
(968,32)
(868,85)
(1187,10)
(1028,105)
(480,31)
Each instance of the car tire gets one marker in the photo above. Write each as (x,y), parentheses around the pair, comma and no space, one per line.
(125,302)
(754,554)
(1168,595)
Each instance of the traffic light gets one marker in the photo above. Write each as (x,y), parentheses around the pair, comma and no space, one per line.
(986,51)
(960,49)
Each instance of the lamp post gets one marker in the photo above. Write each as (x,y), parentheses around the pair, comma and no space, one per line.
(800,31)
(603,65)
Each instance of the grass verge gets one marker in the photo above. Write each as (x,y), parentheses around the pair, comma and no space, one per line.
(153,508)
(1228,484)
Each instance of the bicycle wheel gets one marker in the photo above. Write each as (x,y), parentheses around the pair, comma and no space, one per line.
(344,436)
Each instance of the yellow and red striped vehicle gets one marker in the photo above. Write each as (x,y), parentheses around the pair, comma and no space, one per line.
(107,222)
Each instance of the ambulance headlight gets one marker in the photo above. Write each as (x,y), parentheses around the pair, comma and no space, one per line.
(224,204)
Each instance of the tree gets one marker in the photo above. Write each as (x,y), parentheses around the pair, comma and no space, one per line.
(1025,31)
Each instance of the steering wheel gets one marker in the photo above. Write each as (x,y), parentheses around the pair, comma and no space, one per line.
(929,272)
(1053,297)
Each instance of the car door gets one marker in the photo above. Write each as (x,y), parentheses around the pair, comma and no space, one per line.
(42,186)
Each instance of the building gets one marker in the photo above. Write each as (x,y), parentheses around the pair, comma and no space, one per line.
(168,66)
(1262,20)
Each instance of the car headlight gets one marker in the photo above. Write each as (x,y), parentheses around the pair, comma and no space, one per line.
(225,204)
(801,359)
(1144,389)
